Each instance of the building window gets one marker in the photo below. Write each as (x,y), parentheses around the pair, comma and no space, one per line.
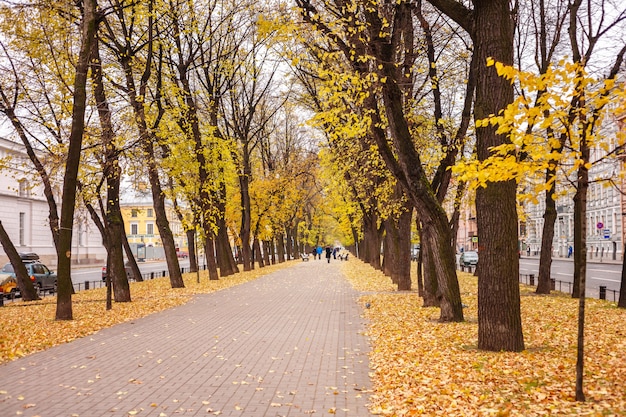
(23,188)
(150,213)
(22,229)
(133,213)
(150,229)
(133,229)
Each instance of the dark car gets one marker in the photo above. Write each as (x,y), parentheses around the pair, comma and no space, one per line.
(42,277)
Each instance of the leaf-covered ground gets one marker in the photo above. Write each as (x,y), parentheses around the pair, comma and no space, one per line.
(30,327)
(423,367)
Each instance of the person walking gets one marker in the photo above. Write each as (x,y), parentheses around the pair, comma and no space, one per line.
(319,252)
(329,252)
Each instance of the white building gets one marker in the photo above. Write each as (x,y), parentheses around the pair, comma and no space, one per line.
(24,212)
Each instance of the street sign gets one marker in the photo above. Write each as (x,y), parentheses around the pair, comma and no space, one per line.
(474,239)
(606,233)
(600,225)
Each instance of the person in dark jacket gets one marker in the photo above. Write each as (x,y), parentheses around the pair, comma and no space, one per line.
(329,252)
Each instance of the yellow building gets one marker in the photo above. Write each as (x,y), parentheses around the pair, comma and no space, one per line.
(140,223)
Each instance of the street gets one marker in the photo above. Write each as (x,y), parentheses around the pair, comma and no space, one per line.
(598,274)
(80,275)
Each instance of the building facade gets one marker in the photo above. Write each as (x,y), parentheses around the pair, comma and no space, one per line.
(140,222)
(24,212)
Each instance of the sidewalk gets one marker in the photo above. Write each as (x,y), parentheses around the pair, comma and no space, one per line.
(287,344)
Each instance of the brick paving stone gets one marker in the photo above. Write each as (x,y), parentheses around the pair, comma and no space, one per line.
(288,344)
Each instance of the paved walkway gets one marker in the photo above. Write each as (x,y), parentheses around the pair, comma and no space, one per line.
(287,344)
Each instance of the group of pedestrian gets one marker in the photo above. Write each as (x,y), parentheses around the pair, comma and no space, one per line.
(330,252)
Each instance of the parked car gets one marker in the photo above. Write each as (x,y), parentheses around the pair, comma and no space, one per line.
(8,285)
(181,253)
(129,273)
(43,278)
(469,258)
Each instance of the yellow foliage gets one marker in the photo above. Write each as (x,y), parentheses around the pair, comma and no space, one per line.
(546,124)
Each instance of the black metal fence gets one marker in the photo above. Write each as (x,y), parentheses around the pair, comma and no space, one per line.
(88,285)
(602,292)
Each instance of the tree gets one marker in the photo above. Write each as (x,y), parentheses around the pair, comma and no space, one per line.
(113,233)
(490,25)
(25,100)
(127,42)
(89,28)
(248,107)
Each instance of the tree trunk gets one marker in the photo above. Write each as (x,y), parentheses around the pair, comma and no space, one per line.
(244,190)
(266,252)
(431,294)
(370,252)
(163,224)
(280,247)
(420,275)
(420,258)
(258,256)
(224,251)
(549,218)
(27,289)
(387,262)
(272,246)
(499,316)
(456,215)
(580,265)
(289,246)
(131,260)
(209,254)
(191,244)
(114,222)
(399,249)
(622,289)
(89,28)
(116,269)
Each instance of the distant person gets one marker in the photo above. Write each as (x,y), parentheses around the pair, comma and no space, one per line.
(329,252)
(319,252)
(335,250)
(569,251)
(528,250)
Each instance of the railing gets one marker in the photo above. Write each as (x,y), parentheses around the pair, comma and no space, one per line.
(89,285)
(567,287)
(601,293)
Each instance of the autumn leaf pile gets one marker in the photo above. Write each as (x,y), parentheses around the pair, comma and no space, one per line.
(423,367)
(30,327)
